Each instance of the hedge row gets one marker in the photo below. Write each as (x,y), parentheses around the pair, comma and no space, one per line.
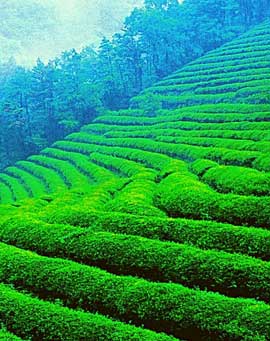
(126,112)
(137,197)
(169,308)
(231,274)
(183,116)
(207,62)
(236,60)
(123,166)
(224,208)
(189,79)
(192,83)
(258,91)
(251,38)
(18,190)
(186,152)
(206,67)
(201,166)
(6,336)
(236,87)
(224,108)
(220,70)
(95,197)
(215,56)
(244,145)
(38,320)
(238,180)
(172,102)
(149,159)
(6,194)
(185,74)
(82,163)
(138,165)
(241,127)
(239,50)
(187,126)
(68,172)
(148,132)
(208,88)
(52,181)
(182,196)
(212,81)
(202,234)
(37,187)
(201,126)
(24,183)
(262,163)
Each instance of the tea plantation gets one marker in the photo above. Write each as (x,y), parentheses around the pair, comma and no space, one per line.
(149,226)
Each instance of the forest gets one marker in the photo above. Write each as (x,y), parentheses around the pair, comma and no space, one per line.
(45,103)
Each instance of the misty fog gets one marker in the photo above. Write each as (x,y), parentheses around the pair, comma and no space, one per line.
(43,28)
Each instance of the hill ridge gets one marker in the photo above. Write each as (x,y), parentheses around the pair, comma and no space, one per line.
(155,216)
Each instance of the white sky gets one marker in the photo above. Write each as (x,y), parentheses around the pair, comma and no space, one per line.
(78,23)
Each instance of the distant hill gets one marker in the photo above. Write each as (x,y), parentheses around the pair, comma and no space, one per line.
(43,28)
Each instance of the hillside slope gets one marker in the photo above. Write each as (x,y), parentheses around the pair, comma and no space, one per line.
(149,227)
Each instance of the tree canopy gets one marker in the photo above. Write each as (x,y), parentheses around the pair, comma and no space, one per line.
(43,104)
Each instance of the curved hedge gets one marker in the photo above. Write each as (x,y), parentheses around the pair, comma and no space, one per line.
(231,274)
(27,233)
(39,320)
(137,197)
(19,192)
(183,196)
(35,184)
(187,152)
(6,336)
(241,145)
(164,307)
(52,181)
(70,174)
(6,194)
(239,180)
(82,163)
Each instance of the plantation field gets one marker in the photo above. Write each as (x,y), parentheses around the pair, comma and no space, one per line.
(149,226)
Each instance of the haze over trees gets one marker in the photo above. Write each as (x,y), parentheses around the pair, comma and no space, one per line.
(50,100)
(44,28)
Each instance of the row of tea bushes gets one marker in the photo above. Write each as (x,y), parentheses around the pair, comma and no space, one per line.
(29,233)
(183,196)
(164,307)
(230,274)
(32,318)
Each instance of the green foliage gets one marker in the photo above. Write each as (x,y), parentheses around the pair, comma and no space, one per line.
(184,196)
(126,297)
(239,180)
(174,203)
(50,179)
(71,176)
(86,143)
(6,336)
(200,166)
(150,105)
(45,321)
(233,275)
(42,105)
(203,234)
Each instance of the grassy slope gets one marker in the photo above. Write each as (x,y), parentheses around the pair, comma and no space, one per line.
(161,222)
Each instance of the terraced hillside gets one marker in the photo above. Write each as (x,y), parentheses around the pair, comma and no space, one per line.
(149,227)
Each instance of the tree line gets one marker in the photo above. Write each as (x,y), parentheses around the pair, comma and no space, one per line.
(45,103)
